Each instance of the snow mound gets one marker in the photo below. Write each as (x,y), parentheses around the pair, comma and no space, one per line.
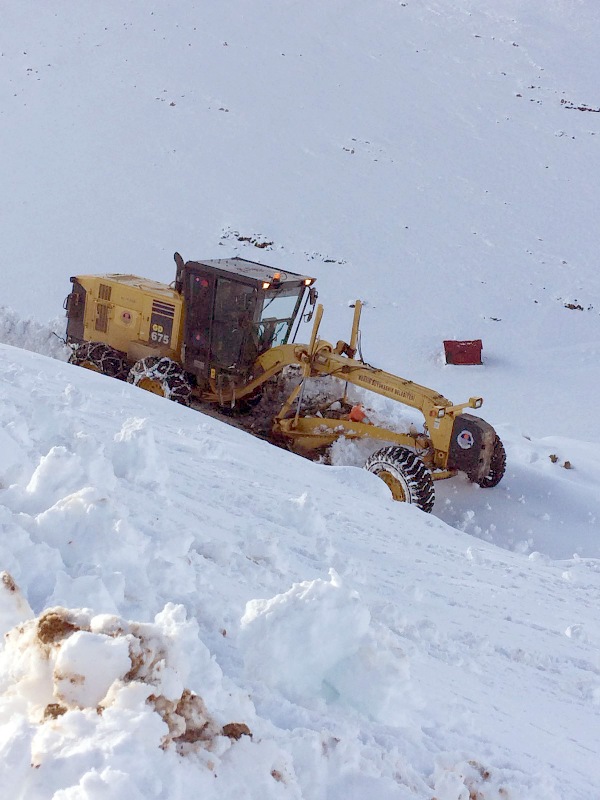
(85,699)
(316,640)
(67,660)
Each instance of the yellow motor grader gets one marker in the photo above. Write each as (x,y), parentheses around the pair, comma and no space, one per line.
(225,328)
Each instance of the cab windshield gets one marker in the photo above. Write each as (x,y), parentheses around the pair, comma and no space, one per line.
(277,315)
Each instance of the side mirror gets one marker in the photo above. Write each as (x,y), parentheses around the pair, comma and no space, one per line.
(312,299)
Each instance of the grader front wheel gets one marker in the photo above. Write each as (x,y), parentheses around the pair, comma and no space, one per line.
(99,357)
(405,474)
(497,466)
(163,376)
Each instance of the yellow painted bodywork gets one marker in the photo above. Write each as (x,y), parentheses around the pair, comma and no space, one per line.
(393,485)
(118,312)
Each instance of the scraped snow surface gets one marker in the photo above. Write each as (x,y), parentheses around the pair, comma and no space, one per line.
(189,611)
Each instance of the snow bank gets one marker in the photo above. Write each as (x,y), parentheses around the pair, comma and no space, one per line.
(31,334)
(363,644)
(95,703)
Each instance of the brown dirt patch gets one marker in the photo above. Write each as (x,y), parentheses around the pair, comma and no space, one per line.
(235,730)
(53,626)
(54,710)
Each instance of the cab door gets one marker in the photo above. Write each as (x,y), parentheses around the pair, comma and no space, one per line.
(235,304)
(199,294)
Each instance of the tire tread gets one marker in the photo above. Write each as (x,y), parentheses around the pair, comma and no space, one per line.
(497,466)
(418,478)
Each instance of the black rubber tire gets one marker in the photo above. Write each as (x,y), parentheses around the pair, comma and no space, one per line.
(497,466)
(406,475)
(165,376)
(99,357)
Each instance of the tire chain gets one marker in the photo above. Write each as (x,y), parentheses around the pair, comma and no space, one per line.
(165,371)
(108,360)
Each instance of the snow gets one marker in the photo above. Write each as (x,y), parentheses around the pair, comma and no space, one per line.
(189,611)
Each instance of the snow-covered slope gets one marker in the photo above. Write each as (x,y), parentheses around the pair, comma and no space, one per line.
(368,647)
(436,159)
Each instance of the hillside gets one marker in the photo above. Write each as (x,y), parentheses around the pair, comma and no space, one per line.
(436,160)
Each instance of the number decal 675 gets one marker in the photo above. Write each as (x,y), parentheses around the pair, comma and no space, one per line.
(158,336)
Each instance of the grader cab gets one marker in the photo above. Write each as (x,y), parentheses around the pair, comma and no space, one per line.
(214,320)
(225,328)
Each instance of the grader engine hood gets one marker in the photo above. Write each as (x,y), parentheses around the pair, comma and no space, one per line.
(471,446)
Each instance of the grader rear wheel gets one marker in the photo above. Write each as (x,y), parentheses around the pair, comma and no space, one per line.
(99,357)
(405,474)
(163,376)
